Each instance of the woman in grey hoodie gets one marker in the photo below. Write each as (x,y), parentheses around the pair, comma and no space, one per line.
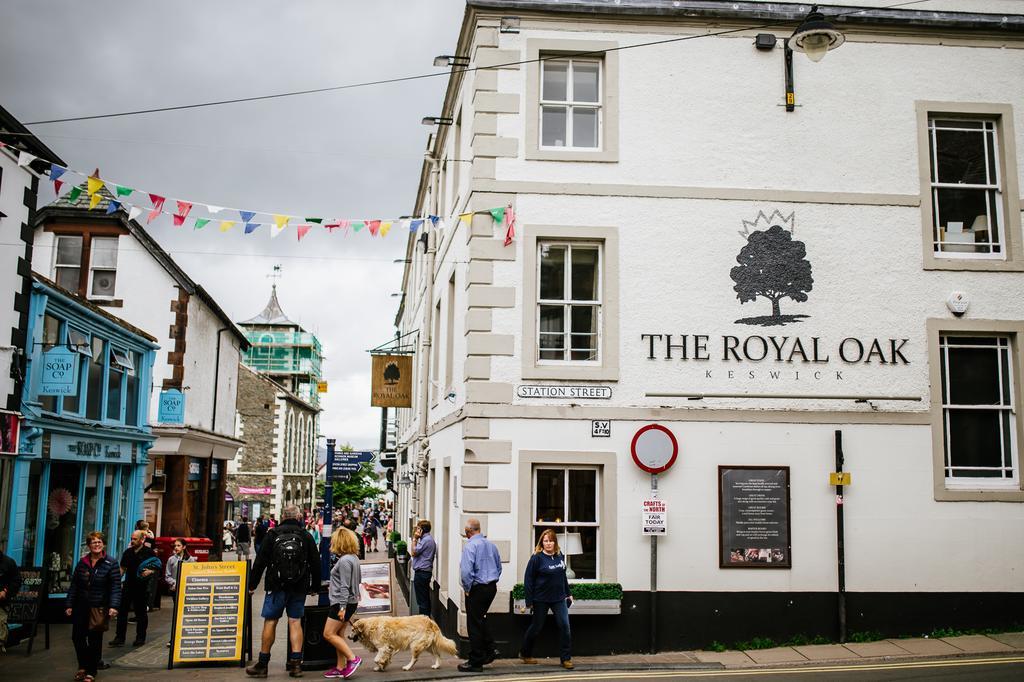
(344,595)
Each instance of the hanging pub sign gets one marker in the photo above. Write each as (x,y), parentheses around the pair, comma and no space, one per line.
(392,381)
(753,517)
(60,372)
(172,407)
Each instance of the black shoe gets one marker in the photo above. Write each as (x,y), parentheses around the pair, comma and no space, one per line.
(467,668)
(257,669)
(294,668)
(116,642)
(490,658)
(139,642)
(102,665)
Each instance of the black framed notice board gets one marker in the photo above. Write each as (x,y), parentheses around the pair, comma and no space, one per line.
(753,517)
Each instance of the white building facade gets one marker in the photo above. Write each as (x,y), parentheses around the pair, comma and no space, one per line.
(688,253)
(116,264)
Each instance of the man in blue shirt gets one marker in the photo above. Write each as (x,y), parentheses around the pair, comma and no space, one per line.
(480,569)
(423,552)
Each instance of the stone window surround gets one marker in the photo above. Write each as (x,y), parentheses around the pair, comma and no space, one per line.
(608,531)
(608,367)
(535,49)
(1003,115)
(1013,329)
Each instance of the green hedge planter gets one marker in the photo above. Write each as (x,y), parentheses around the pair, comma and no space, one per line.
(595,599)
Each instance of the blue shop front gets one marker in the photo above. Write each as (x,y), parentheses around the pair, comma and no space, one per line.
(84,439)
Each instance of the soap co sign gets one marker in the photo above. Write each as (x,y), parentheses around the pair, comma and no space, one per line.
(60,372)
(172,407)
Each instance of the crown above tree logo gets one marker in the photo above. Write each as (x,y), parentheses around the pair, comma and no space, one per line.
(763,222)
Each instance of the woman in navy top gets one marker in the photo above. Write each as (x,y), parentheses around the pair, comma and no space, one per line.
(547,588)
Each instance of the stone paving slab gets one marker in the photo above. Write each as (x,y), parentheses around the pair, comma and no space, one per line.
(876,649)
(782,654)
(924,646)
(825,652)
(1014,639)
(976,644)
(726,658)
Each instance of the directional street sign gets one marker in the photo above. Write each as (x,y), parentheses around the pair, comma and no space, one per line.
(347,463)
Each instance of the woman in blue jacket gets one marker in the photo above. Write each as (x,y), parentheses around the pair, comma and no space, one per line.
(547,588)
(95,584)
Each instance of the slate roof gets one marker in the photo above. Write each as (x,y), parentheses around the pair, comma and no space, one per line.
(272,313)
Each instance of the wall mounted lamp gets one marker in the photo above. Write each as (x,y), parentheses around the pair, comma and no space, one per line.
(437,121)
(451,60)
(814,37)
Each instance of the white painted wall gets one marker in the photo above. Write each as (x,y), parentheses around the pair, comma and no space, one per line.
(201,341)
(13,182)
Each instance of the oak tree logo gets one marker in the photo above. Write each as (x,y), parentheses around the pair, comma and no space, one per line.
(772,265)
(391,374)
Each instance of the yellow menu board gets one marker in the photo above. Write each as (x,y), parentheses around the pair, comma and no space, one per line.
(210,612)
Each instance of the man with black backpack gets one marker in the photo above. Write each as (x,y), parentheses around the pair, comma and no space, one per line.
(292,562)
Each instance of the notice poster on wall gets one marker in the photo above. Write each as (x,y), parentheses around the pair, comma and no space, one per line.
(210,614)
(753,517)
(376,588)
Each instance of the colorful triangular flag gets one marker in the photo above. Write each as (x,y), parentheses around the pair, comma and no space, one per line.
(123,191)
(24,158)
(281,220)
(302,230)
(73,195)
(318,221)
(113,206)
(94,200)
(251,227)
(201,223)
(276,230)
(466,218)
(247,216)
(374,226)
(94,183)
(498,214)
(214,209)
(357,225)
(385,227)
(158,204)
(226,225)
(415,225)
(510,222)
(183,208)
(134,212)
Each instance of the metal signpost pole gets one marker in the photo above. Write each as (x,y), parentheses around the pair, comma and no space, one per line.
(654,576)
(840,544)
(325,538)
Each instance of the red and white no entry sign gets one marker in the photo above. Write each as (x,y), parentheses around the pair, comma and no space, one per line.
(654,448)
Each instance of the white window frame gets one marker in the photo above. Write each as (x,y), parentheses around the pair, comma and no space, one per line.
(57,265)
(537,527)
(567,301)
(989,125)
(1003,349)
(569,104)
(93,269)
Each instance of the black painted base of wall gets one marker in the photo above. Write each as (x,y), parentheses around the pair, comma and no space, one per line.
(693,620)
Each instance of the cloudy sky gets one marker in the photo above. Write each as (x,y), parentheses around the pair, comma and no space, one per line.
(348,154)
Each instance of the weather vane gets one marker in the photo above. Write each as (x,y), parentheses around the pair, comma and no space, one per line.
(276,274)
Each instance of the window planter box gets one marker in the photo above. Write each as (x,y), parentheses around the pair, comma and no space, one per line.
(580,607)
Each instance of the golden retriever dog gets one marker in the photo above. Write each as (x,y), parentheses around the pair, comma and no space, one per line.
(387,636)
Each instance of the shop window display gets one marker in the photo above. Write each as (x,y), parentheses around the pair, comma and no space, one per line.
(61,517)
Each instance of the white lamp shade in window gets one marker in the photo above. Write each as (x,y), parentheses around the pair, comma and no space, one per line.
(571,543)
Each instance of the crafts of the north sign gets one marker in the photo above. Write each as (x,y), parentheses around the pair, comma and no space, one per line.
(60,372)
(392,381)
(655,517)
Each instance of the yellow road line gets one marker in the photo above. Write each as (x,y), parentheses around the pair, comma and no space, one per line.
(660,673)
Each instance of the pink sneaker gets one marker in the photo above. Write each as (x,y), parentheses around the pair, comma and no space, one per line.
(334,673)
(351,667)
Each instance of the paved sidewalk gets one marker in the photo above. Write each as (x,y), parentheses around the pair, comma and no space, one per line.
(150,660)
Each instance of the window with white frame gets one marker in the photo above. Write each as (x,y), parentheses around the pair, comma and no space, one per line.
(103,267)
(569,301)
(978,412)
(67,266)
(570,103)
(966,188)
(566,499)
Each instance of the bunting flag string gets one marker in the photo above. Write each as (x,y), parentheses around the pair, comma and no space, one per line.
(121,197)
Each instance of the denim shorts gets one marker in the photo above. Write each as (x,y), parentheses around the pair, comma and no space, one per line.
(275,603)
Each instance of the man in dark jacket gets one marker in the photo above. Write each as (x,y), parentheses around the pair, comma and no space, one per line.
(292,562)
(260,532)
(243,539)
(136,589)
(10,583)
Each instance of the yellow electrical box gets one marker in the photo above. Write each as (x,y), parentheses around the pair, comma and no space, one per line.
(839,478)
(321,387)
